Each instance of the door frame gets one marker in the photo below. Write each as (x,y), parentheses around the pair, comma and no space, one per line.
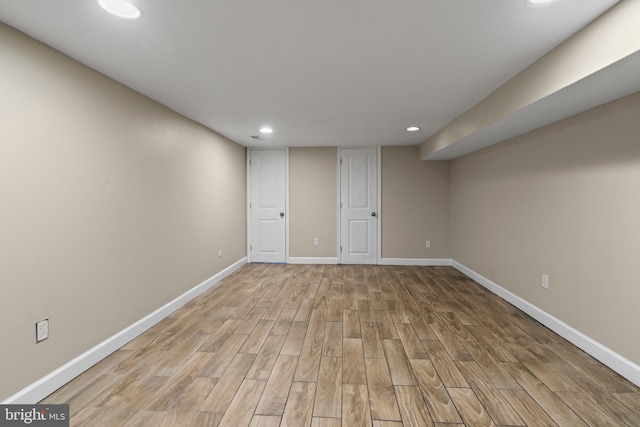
(286,200)
(378,202)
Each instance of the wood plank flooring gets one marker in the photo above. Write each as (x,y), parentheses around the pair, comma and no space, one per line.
(349,346)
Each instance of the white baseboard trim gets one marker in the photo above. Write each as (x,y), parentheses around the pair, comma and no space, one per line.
(428,262)
(313,260)
(56,379)
(613,360)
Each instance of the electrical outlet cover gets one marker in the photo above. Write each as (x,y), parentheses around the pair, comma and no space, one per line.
(42,330)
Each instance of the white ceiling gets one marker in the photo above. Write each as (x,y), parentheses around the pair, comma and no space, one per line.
(321,73)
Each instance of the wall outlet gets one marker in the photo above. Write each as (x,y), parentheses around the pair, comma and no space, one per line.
(42,330)
(545,281)
(219,252)
(316,241)
(428,244)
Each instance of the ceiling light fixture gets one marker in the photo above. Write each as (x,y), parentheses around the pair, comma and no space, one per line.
(413,129)
(536,3)
(266,129)
(120,8)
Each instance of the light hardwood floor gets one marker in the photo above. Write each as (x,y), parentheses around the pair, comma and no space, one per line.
(330,346)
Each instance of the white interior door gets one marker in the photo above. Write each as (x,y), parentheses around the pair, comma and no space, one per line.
(267,205)
(358,206)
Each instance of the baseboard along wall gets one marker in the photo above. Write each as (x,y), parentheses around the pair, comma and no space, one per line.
(313,260)
(426,262)
(56,379)
(605,355)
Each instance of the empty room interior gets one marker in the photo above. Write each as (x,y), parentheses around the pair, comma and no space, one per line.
(322,214)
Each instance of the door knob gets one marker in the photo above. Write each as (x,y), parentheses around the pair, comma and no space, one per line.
(281,214)
(373,214)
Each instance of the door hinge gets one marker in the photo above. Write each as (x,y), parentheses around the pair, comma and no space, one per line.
(340,160)
(249,162)
(249,205)
(340,205)
(340,249)
(250,248)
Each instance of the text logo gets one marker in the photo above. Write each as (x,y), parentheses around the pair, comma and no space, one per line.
(34,415)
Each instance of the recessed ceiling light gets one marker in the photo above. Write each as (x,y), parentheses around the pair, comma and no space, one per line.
(536,3)
(413,129)
(120,8)
(266,129)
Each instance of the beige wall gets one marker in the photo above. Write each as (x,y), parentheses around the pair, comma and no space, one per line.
(565,201)
(111,206)
(415,205)
(313,174)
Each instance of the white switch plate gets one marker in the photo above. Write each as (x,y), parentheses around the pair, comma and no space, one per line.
(219,252)
(316,241)
(428,244)
(545,281)
(42,330)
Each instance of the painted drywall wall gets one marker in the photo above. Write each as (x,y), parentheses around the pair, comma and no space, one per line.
(415,205)
(564,201)
(313,176)
(111,206)
(414,200)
